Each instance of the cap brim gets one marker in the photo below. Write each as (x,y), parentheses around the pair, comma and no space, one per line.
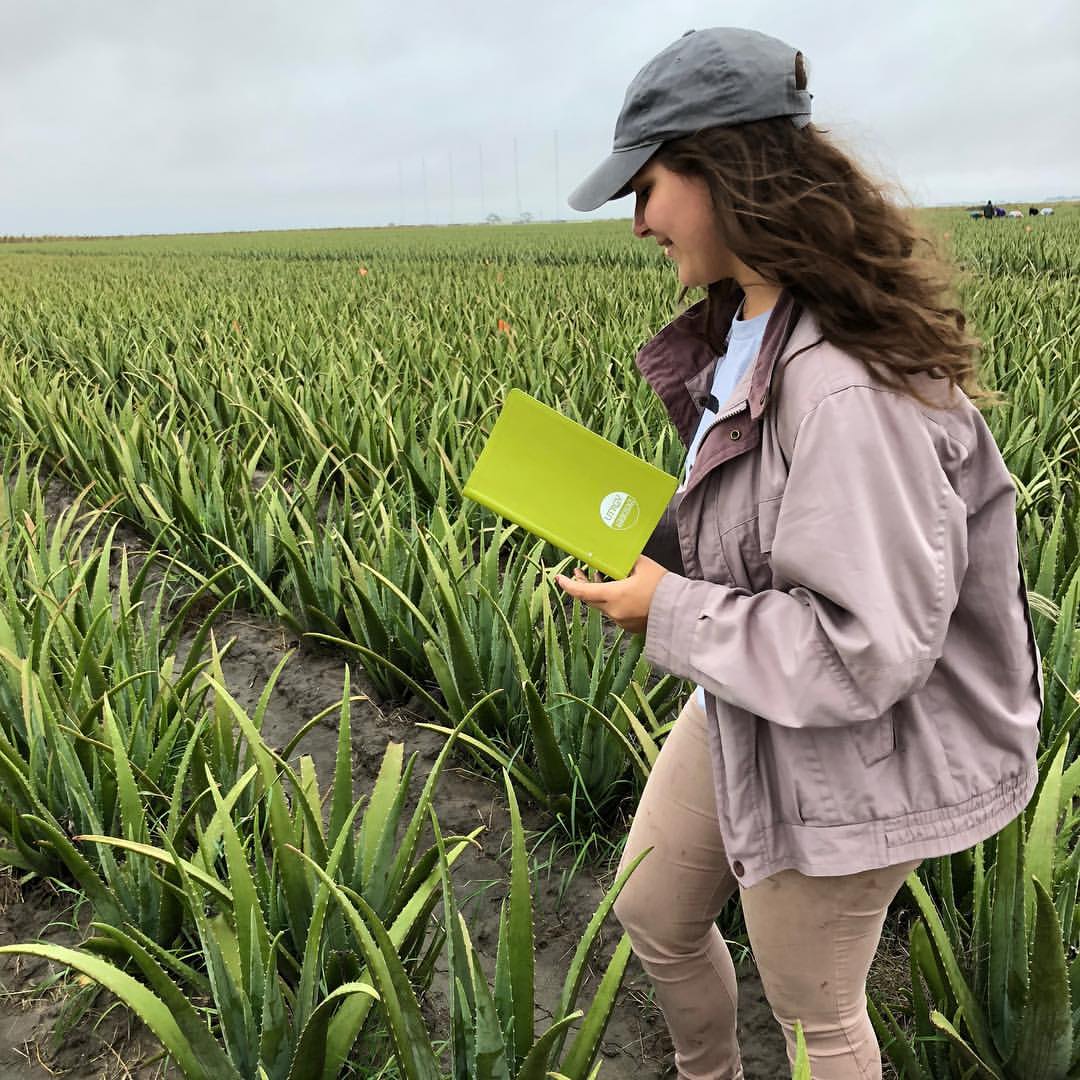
(610,179)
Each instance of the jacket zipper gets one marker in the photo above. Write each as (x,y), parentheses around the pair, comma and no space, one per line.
(719,419)
(726,415)
(730,413)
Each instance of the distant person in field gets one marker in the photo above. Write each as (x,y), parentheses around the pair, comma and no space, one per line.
(838,571)
(988,209)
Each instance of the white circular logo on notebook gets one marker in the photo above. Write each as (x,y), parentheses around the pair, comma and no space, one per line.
(619,510)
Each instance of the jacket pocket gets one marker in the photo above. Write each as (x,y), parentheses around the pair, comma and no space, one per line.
(749,567)
(875,739)
(746,546)
(768,513)
(779,754)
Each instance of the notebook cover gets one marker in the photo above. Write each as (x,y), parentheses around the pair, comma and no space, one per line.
(568,485)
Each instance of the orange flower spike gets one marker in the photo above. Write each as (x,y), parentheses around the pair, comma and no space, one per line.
(362,271)
(504,326)
(236,326)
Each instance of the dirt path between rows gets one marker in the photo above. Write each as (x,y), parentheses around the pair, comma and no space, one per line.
(636,1043)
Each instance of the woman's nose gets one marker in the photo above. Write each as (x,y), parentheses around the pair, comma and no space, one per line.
(641,230)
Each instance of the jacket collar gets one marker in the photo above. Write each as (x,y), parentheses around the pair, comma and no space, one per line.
(679,364)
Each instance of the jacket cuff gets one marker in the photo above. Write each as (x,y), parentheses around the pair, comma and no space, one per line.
(670,629)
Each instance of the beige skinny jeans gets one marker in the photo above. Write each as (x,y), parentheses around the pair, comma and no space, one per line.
(812,938)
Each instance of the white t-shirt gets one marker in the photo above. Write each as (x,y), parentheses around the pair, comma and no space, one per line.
(743,344)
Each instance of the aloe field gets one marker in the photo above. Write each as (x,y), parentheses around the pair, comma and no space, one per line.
(306,765)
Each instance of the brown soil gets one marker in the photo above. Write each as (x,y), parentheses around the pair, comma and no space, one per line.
(106,1044)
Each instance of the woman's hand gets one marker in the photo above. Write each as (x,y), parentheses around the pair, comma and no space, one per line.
(625,602)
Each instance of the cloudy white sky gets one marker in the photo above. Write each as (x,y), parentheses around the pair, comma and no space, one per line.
(131,116)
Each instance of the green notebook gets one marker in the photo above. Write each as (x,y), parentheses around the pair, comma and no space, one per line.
(569,486)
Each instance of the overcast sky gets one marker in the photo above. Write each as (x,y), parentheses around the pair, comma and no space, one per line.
(132,116)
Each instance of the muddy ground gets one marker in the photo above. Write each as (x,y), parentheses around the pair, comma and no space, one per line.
(636,1043)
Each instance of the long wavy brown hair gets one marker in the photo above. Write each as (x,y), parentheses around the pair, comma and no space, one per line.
(801,213)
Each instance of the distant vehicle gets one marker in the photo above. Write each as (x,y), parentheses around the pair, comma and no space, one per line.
(1046,211)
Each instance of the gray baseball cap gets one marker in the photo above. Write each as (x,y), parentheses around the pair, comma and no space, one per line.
(708,78)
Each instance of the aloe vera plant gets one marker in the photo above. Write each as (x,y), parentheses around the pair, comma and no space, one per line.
(285,1005)
(569,686)
(801,1068)
(492,1030)
(994,995)
(97,712)
(480,617)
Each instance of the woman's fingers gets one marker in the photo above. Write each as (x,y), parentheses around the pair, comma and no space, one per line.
(590,592)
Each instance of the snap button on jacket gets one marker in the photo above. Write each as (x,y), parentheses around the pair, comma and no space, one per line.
(846,587)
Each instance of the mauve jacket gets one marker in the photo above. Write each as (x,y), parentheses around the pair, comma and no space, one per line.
(846,587)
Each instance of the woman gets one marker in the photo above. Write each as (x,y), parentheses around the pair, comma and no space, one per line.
(838,572)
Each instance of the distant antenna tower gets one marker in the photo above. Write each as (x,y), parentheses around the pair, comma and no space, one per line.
(451,187)
(555,216)
(517,185)
(483,205)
